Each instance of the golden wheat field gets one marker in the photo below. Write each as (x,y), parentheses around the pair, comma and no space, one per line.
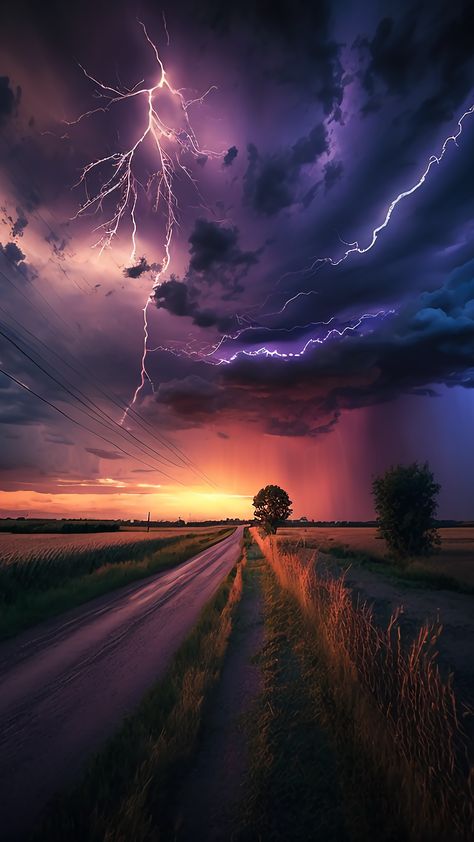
(456,556)
(13,547)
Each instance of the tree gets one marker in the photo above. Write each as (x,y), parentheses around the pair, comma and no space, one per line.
(272,506)
(406,505)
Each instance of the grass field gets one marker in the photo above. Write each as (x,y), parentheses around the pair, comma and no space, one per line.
(455,559)
(43,575)
(339,743)
(404,713)
(21,546)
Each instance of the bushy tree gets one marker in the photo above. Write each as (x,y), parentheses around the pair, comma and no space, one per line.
(406,505)
(272,507)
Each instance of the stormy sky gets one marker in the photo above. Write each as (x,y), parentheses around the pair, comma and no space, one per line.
(286,342)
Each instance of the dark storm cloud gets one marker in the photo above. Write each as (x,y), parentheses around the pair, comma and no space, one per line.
(426,48)
(285,62)
(289,41)
(190,397)
(16,223)
(141,268)
(137,270)
(17,407)
(429,341)
(428,235)
(104,454)
(19,224)
(174,295)
(271,182)
(12,253)
(9,99)
(180,298)
(295,428)
(13,258)
(216,261)
(230,156)
(393,56)
(310,195)
(215,253)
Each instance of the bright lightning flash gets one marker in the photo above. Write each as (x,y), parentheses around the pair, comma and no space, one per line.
(121,182)
(168,144)
(215,355)
(355,248)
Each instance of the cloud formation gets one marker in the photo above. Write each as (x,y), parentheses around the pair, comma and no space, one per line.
(104,454)
(271,182)
(216,261)
(141,268)
(230,156)
(332,114)
(429,52)
(428,342)
(9,99)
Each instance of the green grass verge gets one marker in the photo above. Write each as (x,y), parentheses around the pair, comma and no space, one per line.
(32,607)
(129,788)
(307,778)
(404,574)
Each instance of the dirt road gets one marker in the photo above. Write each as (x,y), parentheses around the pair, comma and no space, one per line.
(66,685)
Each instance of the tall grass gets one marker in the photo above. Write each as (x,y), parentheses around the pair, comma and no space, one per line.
(405,713)
(47,567)
(49,583)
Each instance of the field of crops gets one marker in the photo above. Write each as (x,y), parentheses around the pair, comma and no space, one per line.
(15,547)
(455,559)
(38,562)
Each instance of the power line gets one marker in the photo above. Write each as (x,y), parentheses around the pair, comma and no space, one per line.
(139,420)
(81,425)
(185,460)
(88,404)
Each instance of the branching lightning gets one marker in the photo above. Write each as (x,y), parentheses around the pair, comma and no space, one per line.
(284,355)
(168,144)
(354,247)
(214,354)
(123,184)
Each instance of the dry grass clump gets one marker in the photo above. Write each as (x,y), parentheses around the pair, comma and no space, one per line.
(404,711)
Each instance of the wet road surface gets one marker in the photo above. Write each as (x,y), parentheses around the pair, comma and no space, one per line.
(65,685)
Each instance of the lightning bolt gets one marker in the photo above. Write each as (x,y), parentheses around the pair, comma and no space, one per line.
(211,356)
(169,143)
(354,247)
(284,355)
(434,159)
(121,183)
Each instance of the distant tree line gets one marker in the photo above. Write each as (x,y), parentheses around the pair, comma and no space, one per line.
(22,526)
